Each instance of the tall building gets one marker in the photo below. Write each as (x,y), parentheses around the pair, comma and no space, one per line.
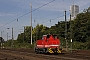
(74,10)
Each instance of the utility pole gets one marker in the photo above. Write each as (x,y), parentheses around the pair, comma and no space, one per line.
(35,34)
(12,38)
(23,34)
(7,33)
(12,34)
(66,32)
(71,32)
(7,36)
(31,23)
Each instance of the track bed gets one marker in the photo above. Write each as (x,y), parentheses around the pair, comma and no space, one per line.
(29,54)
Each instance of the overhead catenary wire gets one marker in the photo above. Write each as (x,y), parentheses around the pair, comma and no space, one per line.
(42,22)
(55,18)
(28,13)
(36,8)
(13,7)
(8,12)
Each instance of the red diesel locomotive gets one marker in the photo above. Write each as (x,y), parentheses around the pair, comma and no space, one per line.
(48,44)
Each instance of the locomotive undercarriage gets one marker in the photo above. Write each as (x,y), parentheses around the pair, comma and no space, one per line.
(48,50)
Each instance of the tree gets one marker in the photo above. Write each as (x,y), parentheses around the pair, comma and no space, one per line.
(25,36)
(81,26)
(39,31)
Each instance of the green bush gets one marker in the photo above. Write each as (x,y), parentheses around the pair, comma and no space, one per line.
(16,44)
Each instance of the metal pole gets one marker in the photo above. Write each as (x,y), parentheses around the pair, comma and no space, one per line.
(7,36)
(7,33)
(12,38)
(71,33)
(12,33)
(24,34)
(31,23)
(66,32)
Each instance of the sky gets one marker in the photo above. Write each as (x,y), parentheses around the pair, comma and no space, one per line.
(42,12)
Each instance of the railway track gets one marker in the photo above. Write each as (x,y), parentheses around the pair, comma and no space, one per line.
(28,54)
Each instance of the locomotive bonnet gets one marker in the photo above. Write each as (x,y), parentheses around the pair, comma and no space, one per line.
(48,44)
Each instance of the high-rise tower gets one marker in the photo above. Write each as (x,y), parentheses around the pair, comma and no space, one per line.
(74,10)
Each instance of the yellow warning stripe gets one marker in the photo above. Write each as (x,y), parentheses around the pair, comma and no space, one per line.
(50,51)
(59,51)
